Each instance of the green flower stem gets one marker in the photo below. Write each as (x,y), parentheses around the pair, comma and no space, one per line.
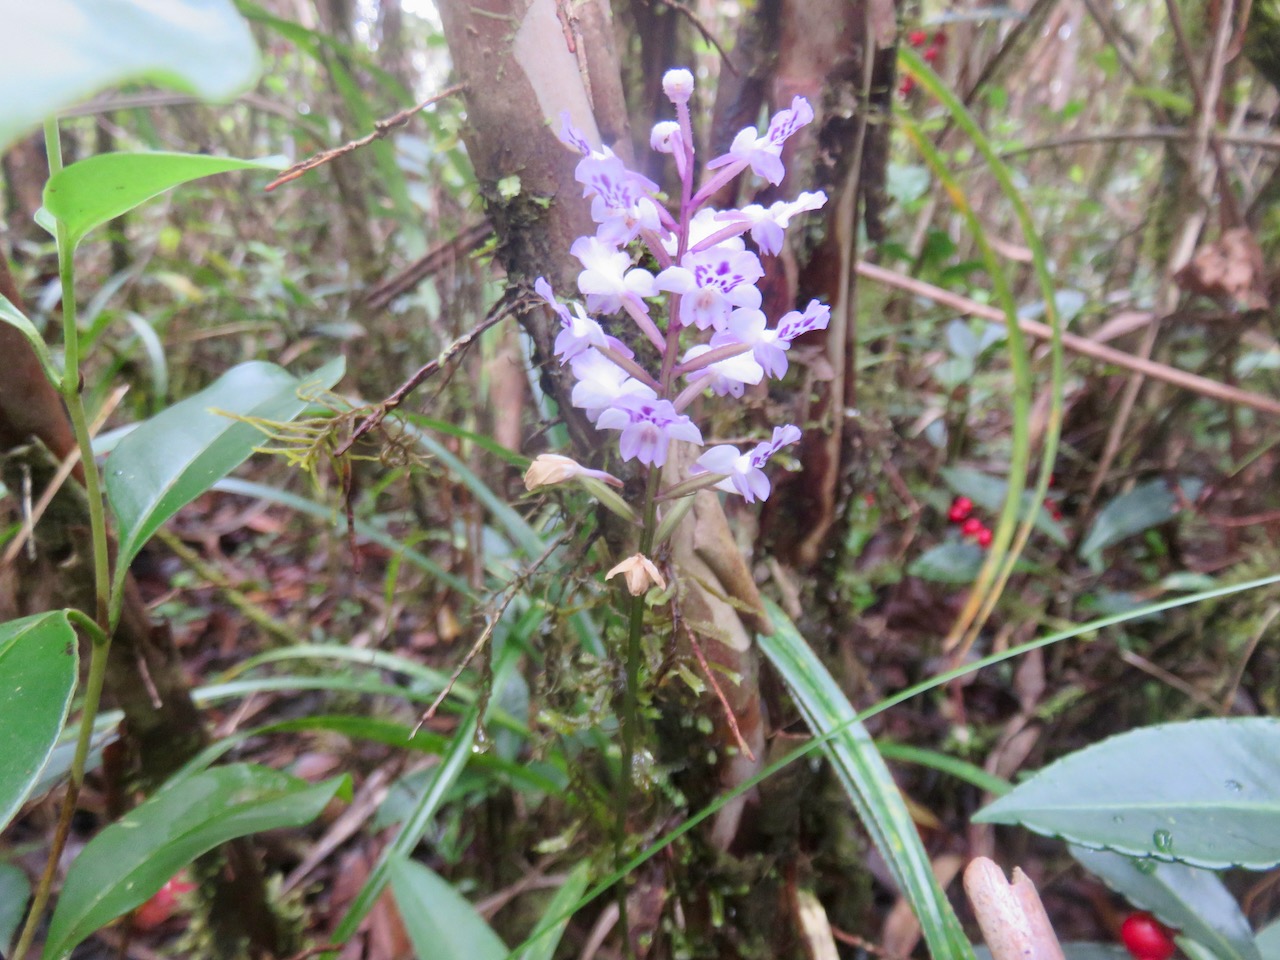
(631,696)
(102,622)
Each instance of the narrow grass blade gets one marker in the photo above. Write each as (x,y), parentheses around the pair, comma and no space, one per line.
(867,780)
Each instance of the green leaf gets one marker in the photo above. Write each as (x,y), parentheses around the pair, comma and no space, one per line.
(867,780)
(1145,506)
(1175,102)
(15,891)
(1189,899)
(60,52)
(1204,792)
(419,819)
(177,455)
(952,561)
(1076,950)
(440,923)
(542,943)
(16,318)
(1268,941)
(90,193)
(39,664)
(130,860)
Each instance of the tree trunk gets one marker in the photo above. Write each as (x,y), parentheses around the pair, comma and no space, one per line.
(523,66)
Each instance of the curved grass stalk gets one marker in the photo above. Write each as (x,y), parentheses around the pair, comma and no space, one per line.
(999,566)
(868,782)
(988,579)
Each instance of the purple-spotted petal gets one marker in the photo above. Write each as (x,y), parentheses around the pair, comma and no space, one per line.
(647,428)
(816,316)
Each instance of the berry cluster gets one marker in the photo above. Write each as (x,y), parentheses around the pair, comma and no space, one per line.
(971,527)
(933,47)
(1146,938)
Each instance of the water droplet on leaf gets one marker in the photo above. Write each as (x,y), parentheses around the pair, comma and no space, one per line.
(1234,786)
(1163,841)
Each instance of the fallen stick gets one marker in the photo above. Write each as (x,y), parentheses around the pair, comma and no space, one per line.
(1076,344)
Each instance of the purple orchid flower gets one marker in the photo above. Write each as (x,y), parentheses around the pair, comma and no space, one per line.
(713,282)
(580,332)
(742,471)
(648,427)
(601,382)
(767,225)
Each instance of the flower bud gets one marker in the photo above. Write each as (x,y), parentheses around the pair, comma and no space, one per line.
(640,574)
(551,468)
(678,85)
(665,136)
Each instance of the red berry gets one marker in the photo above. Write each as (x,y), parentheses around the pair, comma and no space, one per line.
(961,507)
(984,538)
(917,38)
(908,84)
(163,904)
(939,39)
(931,55)
(1146,938)
(971,527)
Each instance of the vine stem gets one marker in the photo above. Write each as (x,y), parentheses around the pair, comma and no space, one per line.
(69,387)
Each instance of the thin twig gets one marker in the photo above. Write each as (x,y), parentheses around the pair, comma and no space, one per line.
(491,622)
(433,261)
(724,701)
(1242,661)
(32,516)
(703,29)
(1122,47)
(380,129)
(501,310)
(1077,344)
(1256,140)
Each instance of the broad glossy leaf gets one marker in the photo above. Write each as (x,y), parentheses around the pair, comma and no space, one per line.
(1205,792)
(38,669)
(868,782)
(1145,506)
(15,891)
(60,52)
(90,193)
(1074,950)
(180,453)
(1188,899)
(441,924)
(1268,941)
(131,859)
